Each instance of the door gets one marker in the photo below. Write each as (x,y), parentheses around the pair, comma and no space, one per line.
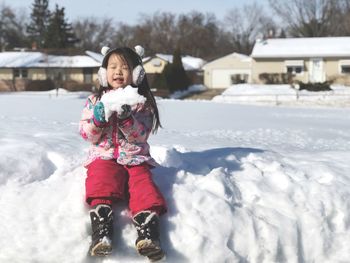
(316,70)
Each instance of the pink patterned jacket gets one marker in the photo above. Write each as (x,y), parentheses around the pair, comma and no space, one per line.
(126,142)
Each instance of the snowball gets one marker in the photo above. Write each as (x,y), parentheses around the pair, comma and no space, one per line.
(115,99)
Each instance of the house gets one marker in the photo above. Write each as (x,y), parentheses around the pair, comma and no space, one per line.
(304,59)
(225,71)
(19,69)
(192,65)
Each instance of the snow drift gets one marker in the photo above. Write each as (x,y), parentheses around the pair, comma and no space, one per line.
(243,183)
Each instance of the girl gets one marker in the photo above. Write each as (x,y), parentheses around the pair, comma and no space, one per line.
(119,161)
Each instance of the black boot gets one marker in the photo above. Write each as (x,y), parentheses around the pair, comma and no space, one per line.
(102,230)
(148,243)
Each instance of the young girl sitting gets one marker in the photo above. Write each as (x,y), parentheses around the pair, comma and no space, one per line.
(119,161)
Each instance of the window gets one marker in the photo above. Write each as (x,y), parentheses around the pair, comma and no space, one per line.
(20,73)
(239,78)
(87,75)
(156,62)
(344,66)
(294,69)
(345,69)
(294,66)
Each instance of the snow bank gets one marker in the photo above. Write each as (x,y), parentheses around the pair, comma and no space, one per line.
(243,183)
(285,95)
(183,93)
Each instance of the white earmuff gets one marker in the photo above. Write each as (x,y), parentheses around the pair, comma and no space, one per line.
(138,75)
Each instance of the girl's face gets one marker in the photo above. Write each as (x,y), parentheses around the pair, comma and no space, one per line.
(118,72)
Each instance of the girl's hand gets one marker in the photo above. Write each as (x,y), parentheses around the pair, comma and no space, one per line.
(126,112)
(99,118)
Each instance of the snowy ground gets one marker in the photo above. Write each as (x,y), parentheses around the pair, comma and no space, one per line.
(243,183)
(287,95)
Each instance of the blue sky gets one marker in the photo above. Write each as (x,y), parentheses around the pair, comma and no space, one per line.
(129,11)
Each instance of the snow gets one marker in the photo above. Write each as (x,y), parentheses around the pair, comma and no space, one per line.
(189,62)
(243,183)
(26,59)
(302,47)
(285,95)
(19,59)
(195,88)
(115,99)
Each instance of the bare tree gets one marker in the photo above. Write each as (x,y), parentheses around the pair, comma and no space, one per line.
(157,32)
(12,28)
(197,34)
(309,18)
(246,25)
(94,33)
(343,18)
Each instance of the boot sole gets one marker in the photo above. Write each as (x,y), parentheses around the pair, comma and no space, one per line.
(102,248)
(149,249)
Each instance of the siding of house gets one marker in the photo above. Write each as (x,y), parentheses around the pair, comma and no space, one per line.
(154,65)
(5,73)
(271,66)
(218,73)
(36,74)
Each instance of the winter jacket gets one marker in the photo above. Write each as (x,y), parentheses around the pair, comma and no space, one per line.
(125,141)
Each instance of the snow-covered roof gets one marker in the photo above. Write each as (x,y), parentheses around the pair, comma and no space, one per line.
(96,56)
(189,62)
(21,59)
(67,62)
(302,47)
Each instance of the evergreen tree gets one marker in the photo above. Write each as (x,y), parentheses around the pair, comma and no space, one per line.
(173,76)
(177,77)
(59,32)
(37,27)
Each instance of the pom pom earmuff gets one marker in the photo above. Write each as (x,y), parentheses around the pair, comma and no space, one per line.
(138,72)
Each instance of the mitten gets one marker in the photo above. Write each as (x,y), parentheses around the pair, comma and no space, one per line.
(99,115)
(125,113)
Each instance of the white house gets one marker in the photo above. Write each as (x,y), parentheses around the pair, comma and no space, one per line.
(315,59)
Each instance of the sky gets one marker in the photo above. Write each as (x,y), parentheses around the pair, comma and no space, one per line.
(258,184)
(129,11)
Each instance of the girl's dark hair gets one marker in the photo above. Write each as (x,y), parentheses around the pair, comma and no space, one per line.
(133,59)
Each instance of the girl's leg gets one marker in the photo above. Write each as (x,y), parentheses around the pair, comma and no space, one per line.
(105,183)
(144,194)
(146,203)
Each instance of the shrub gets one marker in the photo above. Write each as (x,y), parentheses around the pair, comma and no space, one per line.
(40,85)
(324,86)
(276,78)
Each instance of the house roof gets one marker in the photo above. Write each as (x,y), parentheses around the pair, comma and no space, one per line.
(19,59)
(67,62)
(302,47)
(96,56)
(24,59)
(189,62)
(239,56)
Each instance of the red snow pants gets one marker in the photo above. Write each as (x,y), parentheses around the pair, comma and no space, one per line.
(109,181)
